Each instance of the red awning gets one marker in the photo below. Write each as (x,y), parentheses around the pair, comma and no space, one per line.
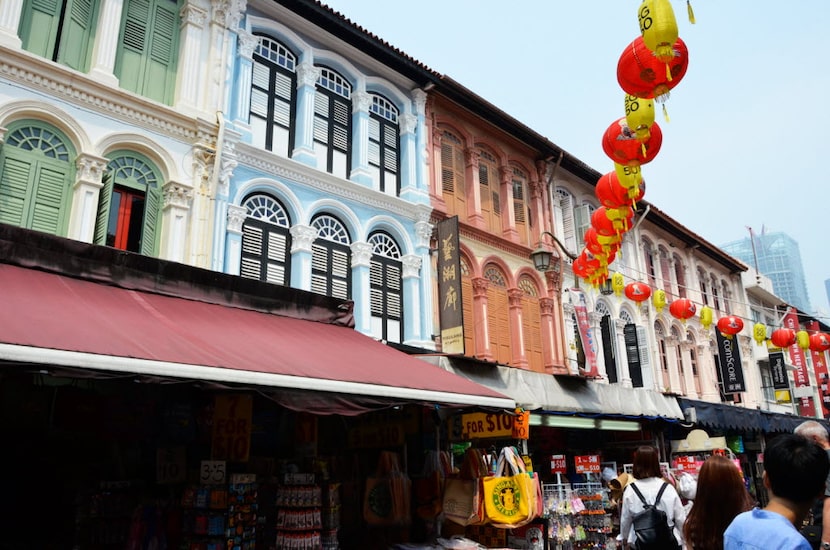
(50,319)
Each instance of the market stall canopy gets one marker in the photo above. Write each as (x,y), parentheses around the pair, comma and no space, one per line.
(536,391)
(722,416)
(51,319)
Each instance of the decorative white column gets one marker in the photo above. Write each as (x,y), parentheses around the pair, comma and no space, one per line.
(410,190)
(307,75)
(106,42)
(85,197)
(411,264)
(420,157)
(361,288)
(361,101)
(190,71)
(10,11)
(302,237)
(227,164)
(174,218)
(233,238)
(241,90)
(423,233)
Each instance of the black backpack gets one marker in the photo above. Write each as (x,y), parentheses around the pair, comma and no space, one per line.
(651,526)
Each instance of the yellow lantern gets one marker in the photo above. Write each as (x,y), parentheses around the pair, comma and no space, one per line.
(659,28)
(639,115)
(618,283)
(628,176)
(659,299)
(706,317)
(759,333)
(802,338)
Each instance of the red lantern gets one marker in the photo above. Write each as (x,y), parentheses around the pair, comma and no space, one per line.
(637,291)
(641,74)
(602,223)
(819,342)
(682,309)
(621,145)
(783,337)
(610,193)
(730,325)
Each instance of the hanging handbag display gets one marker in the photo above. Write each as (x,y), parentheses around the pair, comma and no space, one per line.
(462,501)
(510,496)
(386,500)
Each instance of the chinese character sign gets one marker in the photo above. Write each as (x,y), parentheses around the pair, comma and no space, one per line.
(450,308)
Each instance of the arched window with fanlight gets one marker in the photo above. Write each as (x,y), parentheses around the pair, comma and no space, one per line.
(498,315)
(531,323)
(453,182)
(266,240)
(386,288)
(331,258)
(384,145)
(490,191)
(129,205)
(36,174)
(468,310)
(273,96)
(333,123)
(608,339)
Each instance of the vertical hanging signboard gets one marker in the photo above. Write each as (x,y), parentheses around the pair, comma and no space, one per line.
(450,310)
(732,374)
(806,407)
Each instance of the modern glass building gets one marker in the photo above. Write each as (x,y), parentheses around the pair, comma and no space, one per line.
(777,256)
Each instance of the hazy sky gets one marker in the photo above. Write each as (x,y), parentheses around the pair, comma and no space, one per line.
(749,124)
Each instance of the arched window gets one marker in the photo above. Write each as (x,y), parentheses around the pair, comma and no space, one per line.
(678,349)
(333,123)
(715,293)
(563,206)
(467,311)
(452,175)
(129,205)
(680,276)
(489,191)
(520,203)
(651,263)
(386,288)
(498,315)
(384,145)
(266,241)
(531,323)
(609,343)
(331,258)
(693,361)
(148,48)
(665,272)
(704,293)
(273,97)
(664,360)
(36,174)
(59,30)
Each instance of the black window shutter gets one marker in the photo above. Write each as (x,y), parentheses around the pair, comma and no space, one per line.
(632,352)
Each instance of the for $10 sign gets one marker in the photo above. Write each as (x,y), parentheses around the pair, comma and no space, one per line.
(231,439)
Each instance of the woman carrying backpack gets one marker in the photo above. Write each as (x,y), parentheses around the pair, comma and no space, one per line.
(642,524)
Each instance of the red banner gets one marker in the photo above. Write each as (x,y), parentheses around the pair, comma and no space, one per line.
(820,369)
(586,464)
(806,407)
(586,333)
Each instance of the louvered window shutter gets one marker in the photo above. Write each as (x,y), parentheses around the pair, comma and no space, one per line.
(47,209)
(632,353)
(468,321)
(78,25)
(39,26)
(532,332)
(151,230)
(582,221)
(104,202)
(15,180)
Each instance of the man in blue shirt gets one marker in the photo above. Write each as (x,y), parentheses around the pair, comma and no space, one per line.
(795,470)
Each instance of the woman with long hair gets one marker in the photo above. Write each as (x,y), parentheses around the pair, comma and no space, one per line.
(648,479)
(721,495)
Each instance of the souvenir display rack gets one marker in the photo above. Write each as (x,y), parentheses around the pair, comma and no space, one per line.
(577,515)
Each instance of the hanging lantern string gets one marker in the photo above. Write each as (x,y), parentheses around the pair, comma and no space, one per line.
(641,276)
(691,12)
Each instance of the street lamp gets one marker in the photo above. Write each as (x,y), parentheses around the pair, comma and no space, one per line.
(544,259)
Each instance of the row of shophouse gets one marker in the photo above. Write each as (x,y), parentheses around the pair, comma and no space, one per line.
(274,143)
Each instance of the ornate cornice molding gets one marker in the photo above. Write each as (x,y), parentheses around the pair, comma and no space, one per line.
(324,182)
(79,89)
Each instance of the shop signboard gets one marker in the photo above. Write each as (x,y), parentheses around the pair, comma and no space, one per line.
(450,310)
(783,396)
(521,425)
(558,464)
(729,363)
(820,368)
(484,425)
(171,465)
(231,438)
(687,463)
(587,464)
(806,407)
(212,472)
(778,370)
